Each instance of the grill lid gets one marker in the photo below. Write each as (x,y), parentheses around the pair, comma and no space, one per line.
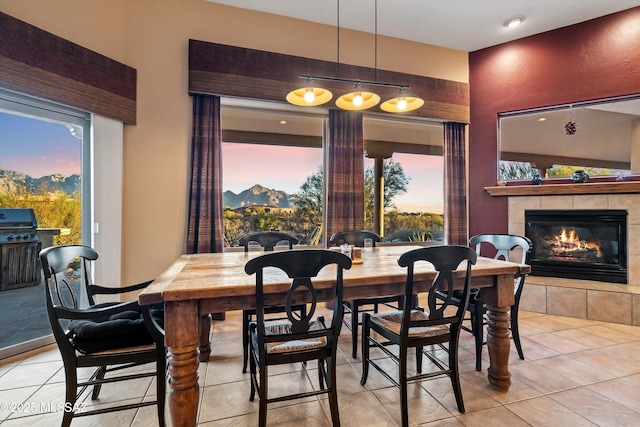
(17,218)
(18,225)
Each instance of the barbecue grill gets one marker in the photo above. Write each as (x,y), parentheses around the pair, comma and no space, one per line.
(19,248)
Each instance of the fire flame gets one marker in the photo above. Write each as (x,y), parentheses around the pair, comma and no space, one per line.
(570,241)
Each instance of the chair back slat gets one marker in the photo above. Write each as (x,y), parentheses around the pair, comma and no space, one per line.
(443,283)
(299,324)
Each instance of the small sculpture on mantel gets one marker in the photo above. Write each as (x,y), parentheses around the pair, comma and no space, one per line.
(579,176)
(536,180)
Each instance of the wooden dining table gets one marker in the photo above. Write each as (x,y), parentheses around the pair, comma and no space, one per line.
(198,284)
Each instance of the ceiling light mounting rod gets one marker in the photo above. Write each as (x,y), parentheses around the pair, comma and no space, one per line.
(338,39)
(354,81)
(375,42)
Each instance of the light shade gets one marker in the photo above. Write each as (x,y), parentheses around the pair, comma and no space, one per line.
(358,100)
(404,101)
(309,96)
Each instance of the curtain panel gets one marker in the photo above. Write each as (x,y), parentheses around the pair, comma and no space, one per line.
(455,187)
(205,228)
(344,205)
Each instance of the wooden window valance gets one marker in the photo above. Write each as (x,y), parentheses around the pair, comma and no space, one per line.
(223,70)
(37,63)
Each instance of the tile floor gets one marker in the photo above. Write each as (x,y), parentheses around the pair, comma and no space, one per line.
(577,373)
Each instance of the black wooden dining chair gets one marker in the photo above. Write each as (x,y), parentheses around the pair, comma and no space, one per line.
(414,328)
(109,336)
(267,240)
(504,245)
(296,339)
(358,238)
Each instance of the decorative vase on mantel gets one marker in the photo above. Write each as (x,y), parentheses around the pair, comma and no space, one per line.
(579,176)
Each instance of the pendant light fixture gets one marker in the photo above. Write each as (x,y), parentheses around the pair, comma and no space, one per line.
(309,95)
(359,98)
(403,102)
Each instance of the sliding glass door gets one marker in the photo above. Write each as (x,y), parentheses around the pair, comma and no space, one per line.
(44,166)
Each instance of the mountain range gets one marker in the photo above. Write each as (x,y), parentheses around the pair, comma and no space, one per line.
(11,181)
(257,195)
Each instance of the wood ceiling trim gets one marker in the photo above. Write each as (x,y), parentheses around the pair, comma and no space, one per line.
(386,149)
(269,138)
(373,148)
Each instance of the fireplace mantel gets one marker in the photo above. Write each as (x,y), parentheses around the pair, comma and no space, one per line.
(560,189)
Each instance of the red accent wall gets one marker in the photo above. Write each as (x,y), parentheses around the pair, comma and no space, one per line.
(591,60)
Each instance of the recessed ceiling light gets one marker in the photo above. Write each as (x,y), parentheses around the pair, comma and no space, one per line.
(542,119)
(283,122)
(514,21)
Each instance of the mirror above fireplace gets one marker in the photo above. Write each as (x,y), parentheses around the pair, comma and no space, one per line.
(544,140)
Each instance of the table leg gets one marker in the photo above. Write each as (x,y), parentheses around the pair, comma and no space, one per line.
(498,344)
(205,337)
(181,337)
(498,299)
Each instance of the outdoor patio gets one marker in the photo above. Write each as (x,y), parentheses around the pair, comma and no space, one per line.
(23,315)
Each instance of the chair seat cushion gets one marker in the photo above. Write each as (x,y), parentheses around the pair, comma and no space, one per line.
(392,320)
(125,329)
(284,327)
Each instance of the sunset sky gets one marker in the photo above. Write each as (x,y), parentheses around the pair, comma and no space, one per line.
(39,148)
(286,168)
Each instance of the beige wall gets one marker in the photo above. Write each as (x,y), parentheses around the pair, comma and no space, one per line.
(152,37)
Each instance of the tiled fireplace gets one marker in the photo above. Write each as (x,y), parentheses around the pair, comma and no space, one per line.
(588,299)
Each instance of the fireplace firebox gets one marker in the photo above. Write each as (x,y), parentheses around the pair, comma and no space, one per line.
(589,244)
